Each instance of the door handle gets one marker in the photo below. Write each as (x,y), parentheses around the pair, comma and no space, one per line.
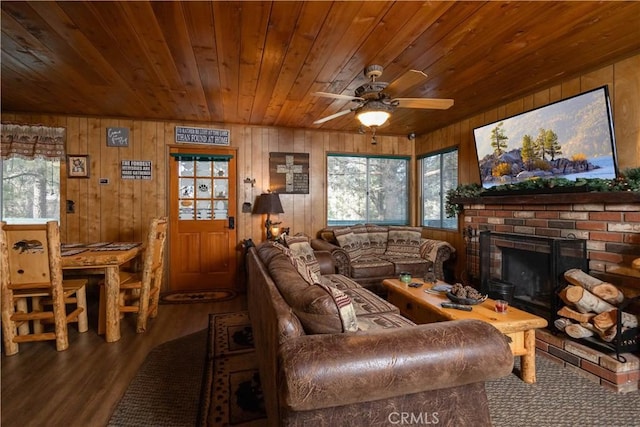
(232,223)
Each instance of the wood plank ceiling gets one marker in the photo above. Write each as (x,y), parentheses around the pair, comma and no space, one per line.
(258,62)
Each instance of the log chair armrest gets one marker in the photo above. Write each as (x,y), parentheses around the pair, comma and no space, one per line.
(323,371)
(340,256)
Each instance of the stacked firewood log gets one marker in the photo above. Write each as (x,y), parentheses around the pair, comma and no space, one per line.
(591,308)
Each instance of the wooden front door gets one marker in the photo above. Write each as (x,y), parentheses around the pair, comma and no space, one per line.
(202,218)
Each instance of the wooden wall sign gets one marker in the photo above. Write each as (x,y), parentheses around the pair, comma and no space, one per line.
(135,169)
(117,137)
(289,173)
(202,135)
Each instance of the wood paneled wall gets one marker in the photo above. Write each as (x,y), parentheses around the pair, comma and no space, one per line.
(623,80)
(122,209)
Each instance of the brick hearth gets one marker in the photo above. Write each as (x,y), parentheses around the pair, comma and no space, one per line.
(611,225)
(601,368)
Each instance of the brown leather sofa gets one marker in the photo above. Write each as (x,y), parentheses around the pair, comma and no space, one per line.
(371,253)
(384,371)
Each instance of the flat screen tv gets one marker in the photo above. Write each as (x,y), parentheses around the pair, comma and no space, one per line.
(570,139)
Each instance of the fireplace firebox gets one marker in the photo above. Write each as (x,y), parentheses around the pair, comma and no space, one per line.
(532,266)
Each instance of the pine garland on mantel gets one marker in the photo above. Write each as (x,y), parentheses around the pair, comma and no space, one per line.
(629,180)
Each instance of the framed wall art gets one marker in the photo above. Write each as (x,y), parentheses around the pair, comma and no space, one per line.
(78,166)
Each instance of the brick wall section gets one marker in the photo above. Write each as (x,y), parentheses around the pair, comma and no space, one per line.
(612,230)
(589,363)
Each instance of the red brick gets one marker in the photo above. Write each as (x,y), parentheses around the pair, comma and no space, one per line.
(605,256)
(504,228)
(536,222)
(547,215)
(591,225)
(549,232)
(551,357)
(631,238)
(541,345)
(486,213)
(606,237)
(559,207)
(632,217)
(548,337)
(504,214)
(614,377)
(605,216)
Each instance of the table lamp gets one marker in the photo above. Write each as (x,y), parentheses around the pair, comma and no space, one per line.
(269,203)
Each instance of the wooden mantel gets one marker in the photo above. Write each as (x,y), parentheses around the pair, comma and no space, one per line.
(553,199)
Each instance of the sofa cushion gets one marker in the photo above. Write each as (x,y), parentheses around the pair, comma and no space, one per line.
(361,235)
(349,242)
(301,267)
(366,302)
(404,240)
(371,266)
(339,281)
(412,264)
(378,236)
(301,248)
(375,321)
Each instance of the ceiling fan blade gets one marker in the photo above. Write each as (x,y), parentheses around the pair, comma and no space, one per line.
(426,103)
(331,117)
(406,81)
(338,96)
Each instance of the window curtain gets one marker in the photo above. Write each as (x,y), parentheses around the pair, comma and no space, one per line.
(30,142)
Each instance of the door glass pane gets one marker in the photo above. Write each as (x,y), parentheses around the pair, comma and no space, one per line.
(203,168)
(185,168)
(186,188)
(221,168)
(203,188)
(221,188)
(203,210)
(221,210)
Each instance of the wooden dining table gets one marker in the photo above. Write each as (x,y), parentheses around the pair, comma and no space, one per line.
(107,257)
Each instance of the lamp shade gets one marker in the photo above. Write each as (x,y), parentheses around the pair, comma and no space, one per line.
(268,203)
(373,113)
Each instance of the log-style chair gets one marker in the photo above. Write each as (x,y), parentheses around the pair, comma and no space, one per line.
(33,290)
(140,291)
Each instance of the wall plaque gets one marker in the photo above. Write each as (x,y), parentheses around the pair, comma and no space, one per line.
(117,137)
(135,169)
(289,173)
(202,135)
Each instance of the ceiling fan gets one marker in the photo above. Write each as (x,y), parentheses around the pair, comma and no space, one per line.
(375,102)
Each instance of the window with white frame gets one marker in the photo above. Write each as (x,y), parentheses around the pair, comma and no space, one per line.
(367,189)
(439,173)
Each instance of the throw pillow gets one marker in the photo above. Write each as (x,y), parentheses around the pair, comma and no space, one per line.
(347,241)
(378,236)
(345,308)
(301,248)
(404,241)
(307,274)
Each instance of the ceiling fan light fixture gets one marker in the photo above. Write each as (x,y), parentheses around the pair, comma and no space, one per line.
(373,113)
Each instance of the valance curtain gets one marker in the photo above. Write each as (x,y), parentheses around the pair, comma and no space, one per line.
(30,142)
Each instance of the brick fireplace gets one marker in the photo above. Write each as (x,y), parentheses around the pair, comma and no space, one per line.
(610,225)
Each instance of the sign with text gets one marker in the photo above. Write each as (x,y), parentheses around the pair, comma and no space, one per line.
(117,137)
(289,173)
(135,169)
(202,135)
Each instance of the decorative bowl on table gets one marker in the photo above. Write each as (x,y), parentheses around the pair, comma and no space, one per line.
(465,301)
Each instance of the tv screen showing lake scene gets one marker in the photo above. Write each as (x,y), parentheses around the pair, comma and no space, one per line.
(570,139)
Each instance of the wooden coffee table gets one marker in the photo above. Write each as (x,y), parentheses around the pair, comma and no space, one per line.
(423,307)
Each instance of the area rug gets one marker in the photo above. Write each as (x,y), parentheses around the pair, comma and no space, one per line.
(231,393)
(165,391)
(190,297)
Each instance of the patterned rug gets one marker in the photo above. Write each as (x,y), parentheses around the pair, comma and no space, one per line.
(190,297)
(231,393)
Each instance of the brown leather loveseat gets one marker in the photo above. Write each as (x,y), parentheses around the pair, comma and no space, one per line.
(333,353)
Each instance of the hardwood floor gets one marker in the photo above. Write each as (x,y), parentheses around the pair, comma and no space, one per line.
(82,385)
